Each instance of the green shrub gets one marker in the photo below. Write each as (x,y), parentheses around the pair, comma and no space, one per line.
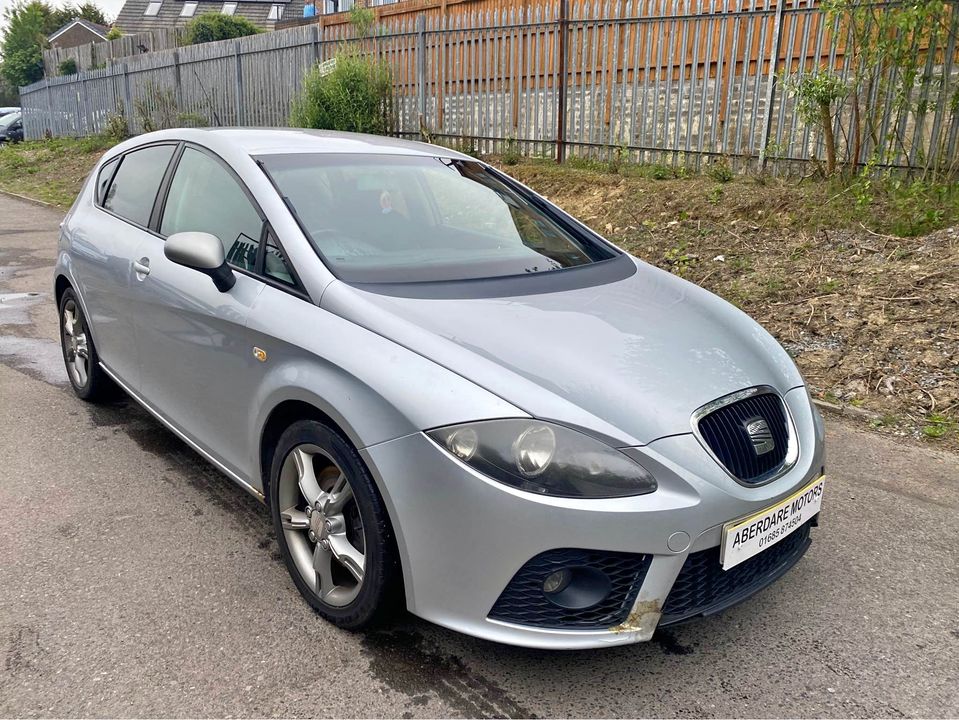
(67,67)
(115,33)
(213,26)
(720,171)
(116,129)
(511,154)
(356,95)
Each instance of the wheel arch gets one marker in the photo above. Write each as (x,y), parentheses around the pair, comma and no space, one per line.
(60,285)
(283,415)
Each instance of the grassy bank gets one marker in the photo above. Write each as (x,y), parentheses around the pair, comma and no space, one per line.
(50,170)
(859,281)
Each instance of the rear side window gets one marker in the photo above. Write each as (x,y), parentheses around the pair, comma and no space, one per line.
(103,180)
(205,197)
(135,185)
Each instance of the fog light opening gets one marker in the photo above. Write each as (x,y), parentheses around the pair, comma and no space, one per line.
(576,588)
(556,582)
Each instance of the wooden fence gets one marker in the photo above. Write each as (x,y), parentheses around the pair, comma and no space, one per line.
(91,56)
(649,80)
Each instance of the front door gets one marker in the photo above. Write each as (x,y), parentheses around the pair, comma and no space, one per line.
(196,355)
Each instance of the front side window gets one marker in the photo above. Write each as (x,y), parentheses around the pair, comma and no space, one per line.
(397,219)
(134,188)
(228,8)
(153,9)
(205,197)
(188,9)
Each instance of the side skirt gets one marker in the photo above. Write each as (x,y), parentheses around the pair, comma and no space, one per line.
(199,450)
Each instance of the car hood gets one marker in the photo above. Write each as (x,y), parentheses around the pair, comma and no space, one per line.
(628,361)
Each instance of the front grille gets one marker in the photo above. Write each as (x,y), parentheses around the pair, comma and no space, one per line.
(703,587)
(724,431)
(523,601)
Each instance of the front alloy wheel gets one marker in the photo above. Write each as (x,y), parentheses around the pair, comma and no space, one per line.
(333,530)
(322,525)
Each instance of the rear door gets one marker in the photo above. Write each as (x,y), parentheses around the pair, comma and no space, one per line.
(104,239)
(196,354)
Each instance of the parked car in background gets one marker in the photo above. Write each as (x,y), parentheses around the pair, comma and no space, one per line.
(8,110)
(453,396)
(11,127)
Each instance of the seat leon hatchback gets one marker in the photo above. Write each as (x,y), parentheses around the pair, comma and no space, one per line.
(452,396)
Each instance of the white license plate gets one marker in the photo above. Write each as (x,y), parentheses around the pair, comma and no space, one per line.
(750,536)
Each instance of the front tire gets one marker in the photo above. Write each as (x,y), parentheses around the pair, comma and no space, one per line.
(332,527)
(87,378)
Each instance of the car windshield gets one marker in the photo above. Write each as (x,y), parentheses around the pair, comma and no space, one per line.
(397,219)
(8,120)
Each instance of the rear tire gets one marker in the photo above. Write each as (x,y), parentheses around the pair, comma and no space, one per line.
(87,378)
(332,528)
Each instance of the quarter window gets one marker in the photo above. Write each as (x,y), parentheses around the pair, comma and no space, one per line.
(134,187)
(103,180)
(205,197)
(275,264)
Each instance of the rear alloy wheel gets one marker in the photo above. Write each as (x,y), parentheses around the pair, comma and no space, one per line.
(336,539)
(87,378)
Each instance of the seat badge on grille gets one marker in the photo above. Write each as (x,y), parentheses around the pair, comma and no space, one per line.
(761,436)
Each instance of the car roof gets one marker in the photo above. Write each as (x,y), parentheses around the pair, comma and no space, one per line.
(278,141)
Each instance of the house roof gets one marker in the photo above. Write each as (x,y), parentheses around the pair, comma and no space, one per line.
(132,19)
(91,26)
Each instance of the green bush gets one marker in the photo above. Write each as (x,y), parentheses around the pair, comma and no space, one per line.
(115,33)
(116,128)
(355,96)
(67,67)
(213,26)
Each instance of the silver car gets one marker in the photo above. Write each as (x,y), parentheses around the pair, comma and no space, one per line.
(452,396)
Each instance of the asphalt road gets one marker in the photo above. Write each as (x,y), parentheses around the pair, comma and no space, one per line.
(136,580)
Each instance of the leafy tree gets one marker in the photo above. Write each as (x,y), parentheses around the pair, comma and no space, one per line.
(58,17)
(23,41)
(890,71)
(817,95)
(212,26)
(8,95)
(29,22)
(115,33)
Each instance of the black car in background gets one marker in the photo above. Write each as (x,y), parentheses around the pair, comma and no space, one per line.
(11,127)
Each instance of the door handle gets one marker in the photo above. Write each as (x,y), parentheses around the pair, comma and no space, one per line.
(141,267)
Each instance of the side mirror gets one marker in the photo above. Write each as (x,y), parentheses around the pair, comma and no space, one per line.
(202,252)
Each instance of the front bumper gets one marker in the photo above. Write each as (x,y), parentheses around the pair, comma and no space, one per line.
(462,536)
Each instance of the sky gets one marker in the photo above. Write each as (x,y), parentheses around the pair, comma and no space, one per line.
(110,7)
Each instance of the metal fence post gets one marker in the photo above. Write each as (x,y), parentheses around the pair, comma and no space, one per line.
(177,86)
(85,100)
(238,90)
(49,123)
(128,100)
(421,67)
(771,81)
(561,80)
(315,40)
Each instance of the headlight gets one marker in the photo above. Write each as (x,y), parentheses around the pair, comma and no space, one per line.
(545,458)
